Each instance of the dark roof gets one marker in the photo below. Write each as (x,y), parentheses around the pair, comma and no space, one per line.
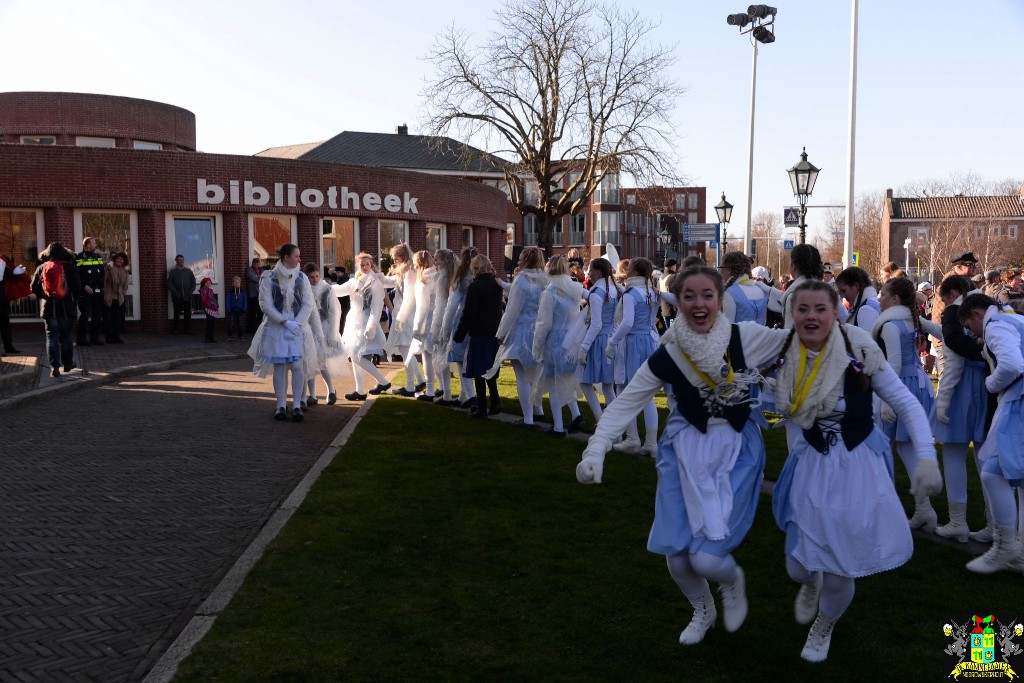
(289,151)
(1008,206)
(414,152)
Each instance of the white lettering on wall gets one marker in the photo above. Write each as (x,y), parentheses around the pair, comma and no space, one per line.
(288,194)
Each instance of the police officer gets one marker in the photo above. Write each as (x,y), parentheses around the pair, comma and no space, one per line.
(90,301)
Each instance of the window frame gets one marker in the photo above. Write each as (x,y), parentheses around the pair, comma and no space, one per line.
(27,140)
(94,141)
(135,274)
(356,247)
(219,276)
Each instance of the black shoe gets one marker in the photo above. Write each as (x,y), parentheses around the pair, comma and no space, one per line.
(118,340)
(302,405)
(210,341)
(332,398)
(189,332)
(97,342)
(11,349)
(174,332)
(439,393)
(54,372)
(380,389)
(447,404)
(312,401)
(110,340)
(554,432)
(425,397)
(280,414)
(82,342)
(576,424)
(495,409)
(469,402)
(422,386)
(395,358)
(354,396)
(402,391)
(297,415)
(476,412)
(69,367)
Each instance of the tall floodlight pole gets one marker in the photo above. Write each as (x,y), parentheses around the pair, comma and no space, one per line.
(761,19)
(852,148)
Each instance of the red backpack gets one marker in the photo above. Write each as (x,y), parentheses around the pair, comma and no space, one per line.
(55,282)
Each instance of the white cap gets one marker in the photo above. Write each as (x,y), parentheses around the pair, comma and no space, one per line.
(761,273)
(924,286)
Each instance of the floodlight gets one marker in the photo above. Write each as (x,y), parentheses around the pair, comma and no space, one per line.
(741,19)
(761,11)
(763,35)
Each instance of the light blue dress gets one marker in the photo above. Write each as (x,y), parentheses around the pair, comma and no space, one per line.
(1003,450)
(519,343)
(967,408)
(599,368)
(641,340)
(746,308)
(556,361)
(913,377)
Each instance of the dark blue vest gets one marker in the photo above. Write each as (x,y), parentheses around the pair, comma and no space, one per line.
(855,425)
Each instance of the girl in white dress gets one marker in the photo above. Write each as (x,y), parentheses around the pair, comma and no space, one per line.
(559,307)
(416,313)
(453,312)
(284,341)
(444,266)
(403,278)
(835,499)
(711,455)
(363,336)
(324,324)
(854,285)
(598,369)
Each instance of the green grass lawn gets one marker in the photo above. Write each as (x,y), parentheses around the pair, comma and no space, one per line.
(436,547)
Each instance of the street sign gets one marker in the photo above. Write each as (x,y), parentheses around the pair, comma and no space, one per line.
(700,232)
(787,244)
(855,258)
(791,216)
(713,244)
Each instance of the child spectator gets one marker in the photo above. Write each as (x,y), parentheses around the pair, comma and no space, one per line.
(209,298)
(236,303)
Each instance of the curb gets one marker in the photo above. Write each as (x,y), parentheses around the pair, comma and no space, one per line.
(206,614)
(109,377)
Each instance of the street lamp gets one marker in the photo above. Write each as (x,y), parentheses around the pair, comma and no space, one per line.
(802,177)
(665,237)
(724,211)
(761,20)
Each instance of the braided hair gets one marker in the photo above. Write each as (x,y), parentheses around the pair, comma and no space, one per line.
(642,267)
(463,269)
(854,276)
(604,267)
(903,290)
(738,263)
(806,259)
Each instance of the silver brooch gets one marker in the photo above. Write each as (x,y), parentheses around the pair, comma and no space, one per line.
(725,370)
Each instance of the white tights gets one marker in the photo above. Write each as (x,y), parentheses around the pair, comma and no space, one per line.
(691,572)
(466,388)
(281,382)
(908,455)
(369,368)
(591,395)
(428,367)
(311,384)
(836,591)
(413,374)
(525,380)
(954,470)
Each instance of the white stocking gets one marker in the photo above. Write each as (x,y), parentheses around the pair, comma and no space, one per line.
(836,595)
(281,384)
(954,468)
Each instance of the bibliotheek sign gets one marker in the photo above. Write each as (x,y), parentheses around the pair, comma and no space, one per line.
(245,193)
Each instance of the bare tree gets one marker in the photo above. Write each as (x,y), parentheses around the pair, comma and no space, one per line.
(766,232)
(559,87)
(867,231)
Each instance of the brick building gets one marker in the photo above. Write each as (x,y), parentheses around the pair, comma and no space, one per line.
(126,171)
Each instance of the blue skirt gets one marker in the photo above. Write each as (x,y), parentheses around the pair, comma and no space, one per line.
(921,387)
(671,532)
(480,355)
(1003,451)
(599,368)
(967,409)
(457,351)
(519,344)
(636,349)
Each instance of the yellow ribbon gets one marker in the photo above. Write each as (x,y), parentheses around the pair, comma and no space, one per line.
(707,380)
(803,386)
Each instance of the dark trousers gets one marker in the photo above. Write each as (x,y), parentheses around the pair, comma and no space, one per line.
(482,385)
(113,321)
(5,324)
(183,309)
(235,324)
(58,342)
(255,313)
(91,320)
(209,327)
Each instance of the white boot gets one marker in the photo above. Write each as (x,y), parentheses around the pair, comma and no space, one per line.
(806,605)
(818,639)
(1002,555)
(627,445)
(984,535)
(734,601)
(924,514)
(650,449)
(957,528)
(704,617)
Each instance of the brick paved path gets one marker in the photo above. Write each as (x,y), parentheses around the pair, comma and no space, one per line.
(122,506)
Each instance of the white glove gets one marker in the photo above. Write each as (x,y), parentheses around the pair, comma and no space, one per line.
(887,413)
(370,333)
(609,351)
(292,326)
(927,481)
(591,468)
(581,357)
(942,408)
(18,270)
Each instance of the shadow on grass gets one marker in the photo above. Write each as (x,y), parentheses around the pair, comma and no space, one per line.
(436,547)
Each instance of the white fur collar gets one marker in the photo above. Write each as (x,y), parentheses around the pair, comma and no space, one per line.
(534,276)
(705,349)
(566,286)
(888,315)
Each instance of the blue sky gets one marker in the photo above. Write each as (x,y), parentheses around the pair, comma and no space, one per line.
(939,83)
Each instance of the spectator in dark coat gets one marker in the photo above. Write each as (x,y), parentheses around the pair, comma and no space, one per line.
(480,318)
(59,314)
(252,286)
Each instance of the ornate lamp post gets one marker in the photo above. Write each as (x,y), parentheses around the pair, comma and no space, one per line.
(724,211)
(802,177)
(665,237)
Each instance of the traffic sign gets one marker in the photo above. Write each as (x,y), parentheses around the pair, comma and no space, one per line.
(790,216)
(855,258)
(787,244)
(700,232)
(713,244)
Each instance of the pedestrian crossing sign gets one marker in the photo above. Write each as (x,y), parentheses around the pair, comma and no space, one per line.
(855,258)
(790,216)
